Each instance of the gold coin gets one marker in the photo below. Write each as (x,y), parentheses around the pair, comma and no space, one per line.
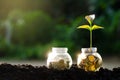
(91,58)
(92,68)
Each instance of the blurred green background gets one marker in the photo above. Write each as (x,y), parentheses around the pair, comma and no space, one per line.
(30,28)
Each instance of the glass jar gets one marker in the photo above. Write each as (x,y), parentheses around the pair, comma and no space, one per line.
(59,59)
(89,59)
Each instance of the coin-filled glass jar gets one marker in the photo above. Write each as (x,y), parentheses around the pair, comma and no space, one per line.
(59,59)
(89,59)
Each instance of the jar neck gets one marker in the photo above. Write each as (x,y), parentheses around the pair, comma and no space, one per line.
(89,50)
(59,50)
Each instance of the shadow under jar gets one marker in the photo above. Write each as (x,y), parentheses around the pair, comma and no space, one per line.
(89,59)
(59,59)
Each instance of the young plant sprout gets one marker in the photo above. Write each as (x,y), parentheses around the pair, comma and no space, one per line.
(90,27)
(89,59)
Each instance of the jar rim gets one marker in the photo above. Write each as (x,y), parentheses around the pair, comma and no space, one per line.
(93,49)
(59,49)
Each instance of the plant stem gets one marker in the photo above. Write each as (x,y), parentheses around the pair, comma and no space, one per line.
(91,35)
(90,38)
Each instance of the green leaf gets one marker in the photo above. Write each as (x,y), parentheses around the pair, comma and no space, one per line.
(85,27)
(96,27)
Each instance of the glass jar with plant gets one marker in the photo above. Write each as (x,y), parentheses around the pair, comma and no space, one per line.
(89,59)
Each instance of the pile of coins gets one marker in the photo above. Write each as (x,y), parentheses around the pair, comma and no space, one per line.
(60,65)
(90,63)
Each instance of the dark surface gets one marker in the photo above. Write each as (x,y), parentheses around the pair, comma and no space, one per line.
(29,72)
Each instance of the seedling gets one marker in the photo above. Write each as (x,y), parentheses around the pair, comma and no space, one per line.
(90,27)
